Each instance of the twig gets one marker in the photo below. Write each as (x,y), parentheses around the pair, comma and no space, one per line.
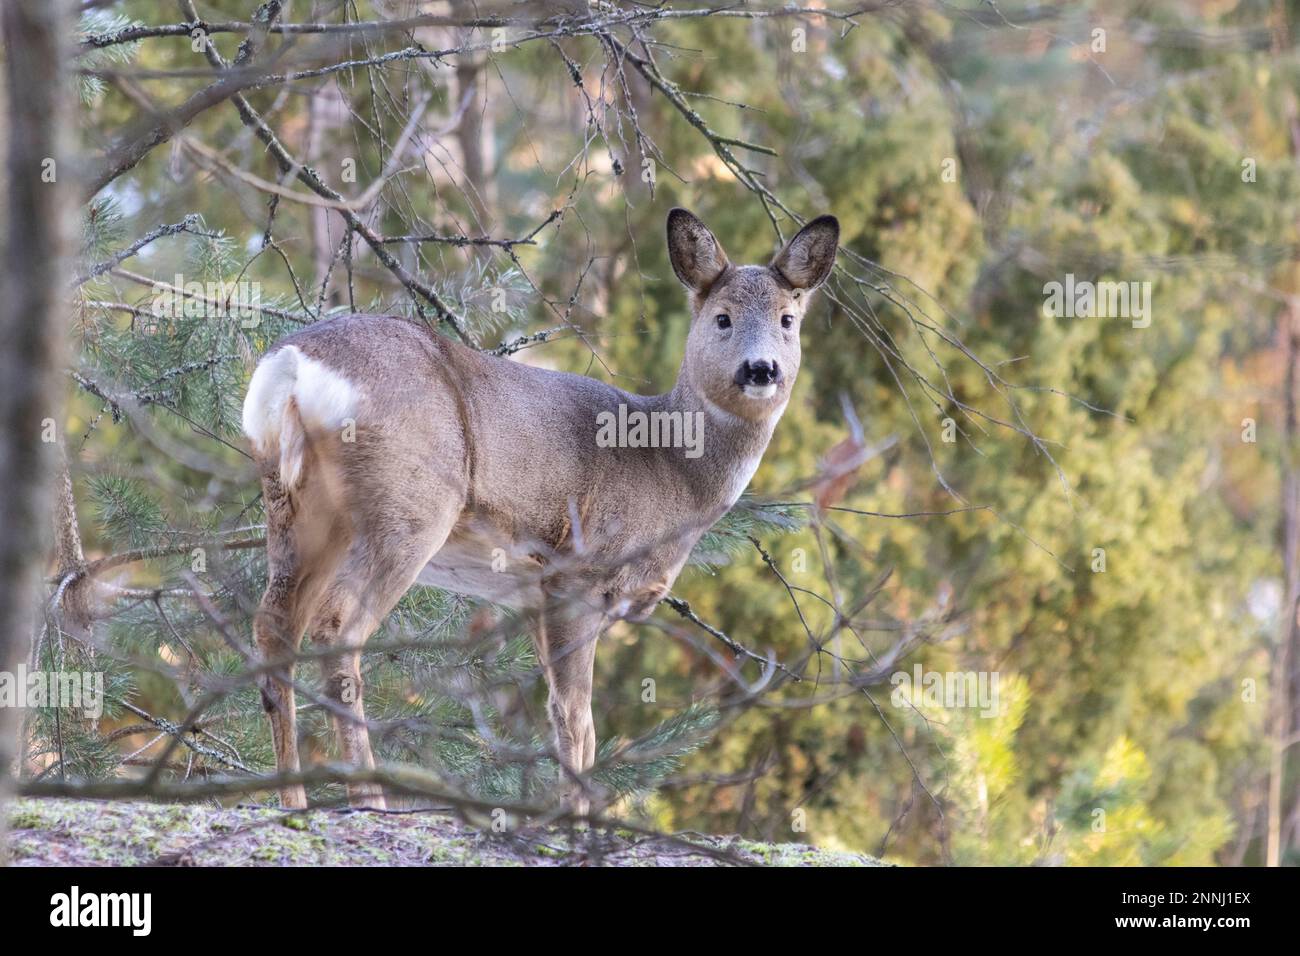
(683,607)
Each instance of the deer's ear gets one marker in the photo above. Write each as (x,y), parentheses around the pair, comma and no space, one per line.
(809,256)
(697,257)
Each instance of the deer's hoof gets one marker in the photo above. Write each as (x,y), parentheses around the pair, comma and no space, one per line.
(577,802)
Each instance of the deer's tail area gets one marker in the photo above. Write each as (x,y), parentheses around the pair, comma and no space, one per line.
(290,395)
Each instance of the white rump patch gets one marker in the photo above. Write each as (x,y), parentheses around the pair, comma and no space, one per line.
(324,398)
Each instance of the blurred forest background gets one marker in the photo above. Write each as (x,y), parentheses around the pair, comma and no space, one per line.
(1102,514)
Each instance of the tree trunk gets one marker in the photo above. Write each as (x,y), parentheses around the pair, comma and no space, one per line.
(41,192)
(473,136)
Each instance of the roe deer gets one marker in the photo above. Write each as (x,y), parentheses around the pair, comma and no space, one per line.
(391,455)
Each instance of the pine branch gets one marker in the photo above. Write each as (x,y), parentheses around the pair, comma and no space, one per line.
(187,224)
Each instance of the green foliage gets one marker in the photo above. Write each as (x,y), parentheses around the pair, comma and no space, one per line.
(750,518)
(637,769)
(125,511)
(91,88)
(1123,735)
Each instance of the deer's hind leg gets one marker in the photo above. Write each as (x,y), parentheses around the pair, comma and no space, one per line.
(366,588)
(303,553)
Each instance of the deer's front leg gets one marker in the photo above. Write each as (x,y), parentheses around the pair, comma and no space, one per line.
(566,646)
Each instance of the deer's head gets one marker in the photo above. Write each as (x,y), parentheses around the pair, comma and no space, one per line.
(742,354)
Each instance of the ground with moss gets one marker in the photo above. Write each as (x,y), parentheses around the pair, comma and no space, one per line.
(94,833)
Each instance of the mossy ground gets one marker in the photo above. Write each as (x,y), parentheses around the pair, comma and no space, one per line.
(94,833)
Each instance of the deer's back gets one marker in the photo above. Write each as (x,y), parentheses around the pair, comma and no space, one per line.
(511,446)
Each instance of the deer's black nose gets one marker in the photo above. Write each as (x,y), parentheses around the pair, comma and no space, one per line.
(756,373)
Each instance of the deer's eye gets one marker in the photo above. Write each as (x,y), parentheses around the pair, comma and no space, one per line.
(724,321)
(787,321)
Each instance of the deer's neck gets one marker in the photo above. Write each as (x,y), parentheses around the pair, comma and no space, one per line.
(731,446)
